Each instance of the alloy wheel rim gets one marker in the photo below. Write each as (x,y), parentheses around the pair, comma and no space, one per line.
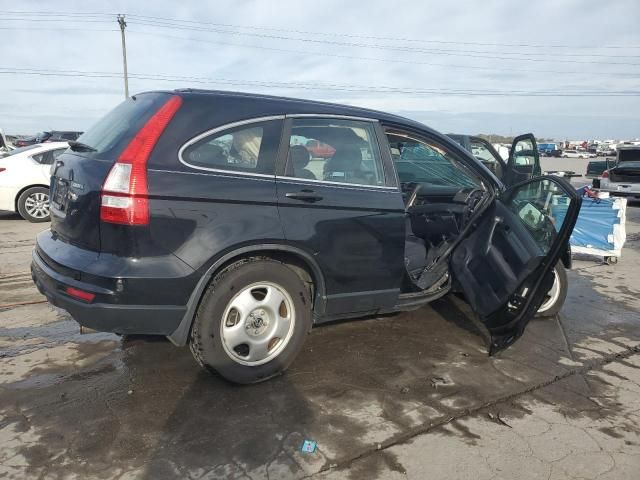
(37,205)
(257,323)
(552,295)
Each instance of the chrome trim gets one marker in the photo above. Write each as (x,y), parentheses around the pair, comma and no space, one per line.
(330,115)
(263,177)
(220,129)
(357,186)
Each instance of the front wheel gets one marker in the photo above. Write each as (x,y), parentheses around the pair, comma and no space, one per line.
(252,321)
(33,204)
(557,294)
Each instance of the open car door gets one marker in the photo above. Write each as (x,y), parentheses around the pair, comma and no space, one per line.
(505,266)
(524,160)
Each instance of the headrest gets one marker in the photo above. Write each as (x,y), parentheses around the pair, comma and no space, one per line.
(299,156)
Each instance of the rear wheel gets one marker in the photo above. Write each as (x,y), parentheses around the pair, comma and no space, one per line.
(33,204)
(557,294)
(252,321)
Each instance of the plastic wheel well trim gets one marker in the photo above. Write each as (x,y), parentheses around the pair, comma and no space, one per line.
(180,335)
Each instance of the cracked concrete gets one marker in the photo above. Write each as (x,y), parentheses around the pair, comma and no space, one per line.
(406,396)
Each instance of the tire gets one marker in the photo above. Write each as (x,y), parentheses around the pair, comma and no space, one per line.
(256,340)
(558,293)
(33,204)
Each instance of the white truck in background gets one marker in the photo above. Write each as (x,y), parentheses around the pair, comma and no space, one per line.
(623,178)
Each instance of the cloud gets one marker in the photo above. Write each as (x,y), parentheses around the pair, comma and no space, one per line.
(338,54)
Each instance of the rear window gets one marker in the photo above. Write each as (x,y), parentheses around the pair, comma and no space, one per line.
(632,155)
(112,133)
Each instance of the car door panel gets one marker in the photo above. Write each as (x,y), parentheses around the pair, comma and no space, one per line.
(504,266)
(357,237)
(495,260)
(354,231)
(524,160)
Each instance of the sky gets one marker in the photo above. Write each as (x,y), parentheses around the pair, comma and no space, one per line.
(561,69)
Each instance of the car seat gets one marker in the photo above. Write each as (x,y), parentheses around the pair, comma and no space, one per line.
(299,158)
(415,252)
(345,166)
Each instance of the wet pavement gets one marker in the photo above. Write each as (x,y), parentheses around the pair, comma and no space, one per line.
(405,396)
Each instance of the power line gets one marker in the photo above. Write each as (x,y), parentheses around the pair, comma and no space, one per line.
(519,56)
(55,29)
(319,86)
(376,46)
(384,60)
(288,30)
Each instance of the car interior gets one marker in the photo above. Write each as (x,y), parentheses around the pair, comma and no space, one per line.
(440,196)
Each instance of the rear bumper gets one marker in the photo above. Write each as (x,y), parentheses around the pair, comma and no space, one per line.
(620,189)
(102,315)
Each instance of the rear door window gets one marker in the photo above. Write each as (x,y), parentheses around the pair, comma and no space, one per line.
(250,148)
(342,151)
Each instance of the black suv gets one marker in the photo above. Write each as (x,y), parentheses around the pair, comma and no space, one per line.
(202,216)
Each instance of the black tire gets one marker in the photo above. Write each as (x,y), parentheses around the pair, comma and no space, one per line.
(205,340)
(552,309)
(25,211)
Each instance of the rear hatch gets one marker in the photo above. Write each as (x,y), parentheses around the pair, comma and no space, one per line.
(79,173)
(627,172)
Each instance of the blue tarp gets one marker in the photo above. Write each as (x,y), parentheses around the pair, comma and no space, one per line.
(600,224)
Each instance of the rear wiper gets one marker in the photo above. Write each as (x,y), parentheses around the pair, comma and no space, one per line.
(80,147)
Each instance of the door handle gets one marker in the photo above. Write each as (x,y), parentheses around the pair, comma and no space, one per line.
(305,196)
(496,221)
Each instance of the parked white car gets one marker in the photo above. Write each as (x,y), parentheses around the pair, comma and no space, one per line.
(24,180)
(575,154)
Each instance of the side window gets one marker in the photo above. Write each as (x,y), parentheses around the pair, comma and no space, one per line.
(484,155)
(56,153)
(541,206)
(342,151)
(48,157)
(481,152)
(246,148)
(422,161)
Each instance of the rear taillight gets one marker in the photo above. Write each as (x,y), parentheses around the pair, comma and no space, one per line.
(125,191)
(2,170)
(605,174)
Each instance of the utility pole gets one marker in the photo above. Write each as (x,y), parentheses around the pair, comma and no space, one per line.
(123,25)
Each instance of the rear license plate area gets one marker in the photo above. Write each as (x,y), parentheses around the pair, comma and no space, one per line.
(60,193)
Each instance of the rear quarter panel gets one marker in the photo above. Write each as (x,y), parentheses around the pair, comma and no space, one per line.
(200,216)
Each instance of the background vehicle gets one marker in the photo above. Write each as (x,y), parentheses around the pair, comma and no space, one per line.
(549,149)
(595,168)
(523,163)
(24,180)
(623,178)
(61,135)
(52,136)
(569,153)
(200,223)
